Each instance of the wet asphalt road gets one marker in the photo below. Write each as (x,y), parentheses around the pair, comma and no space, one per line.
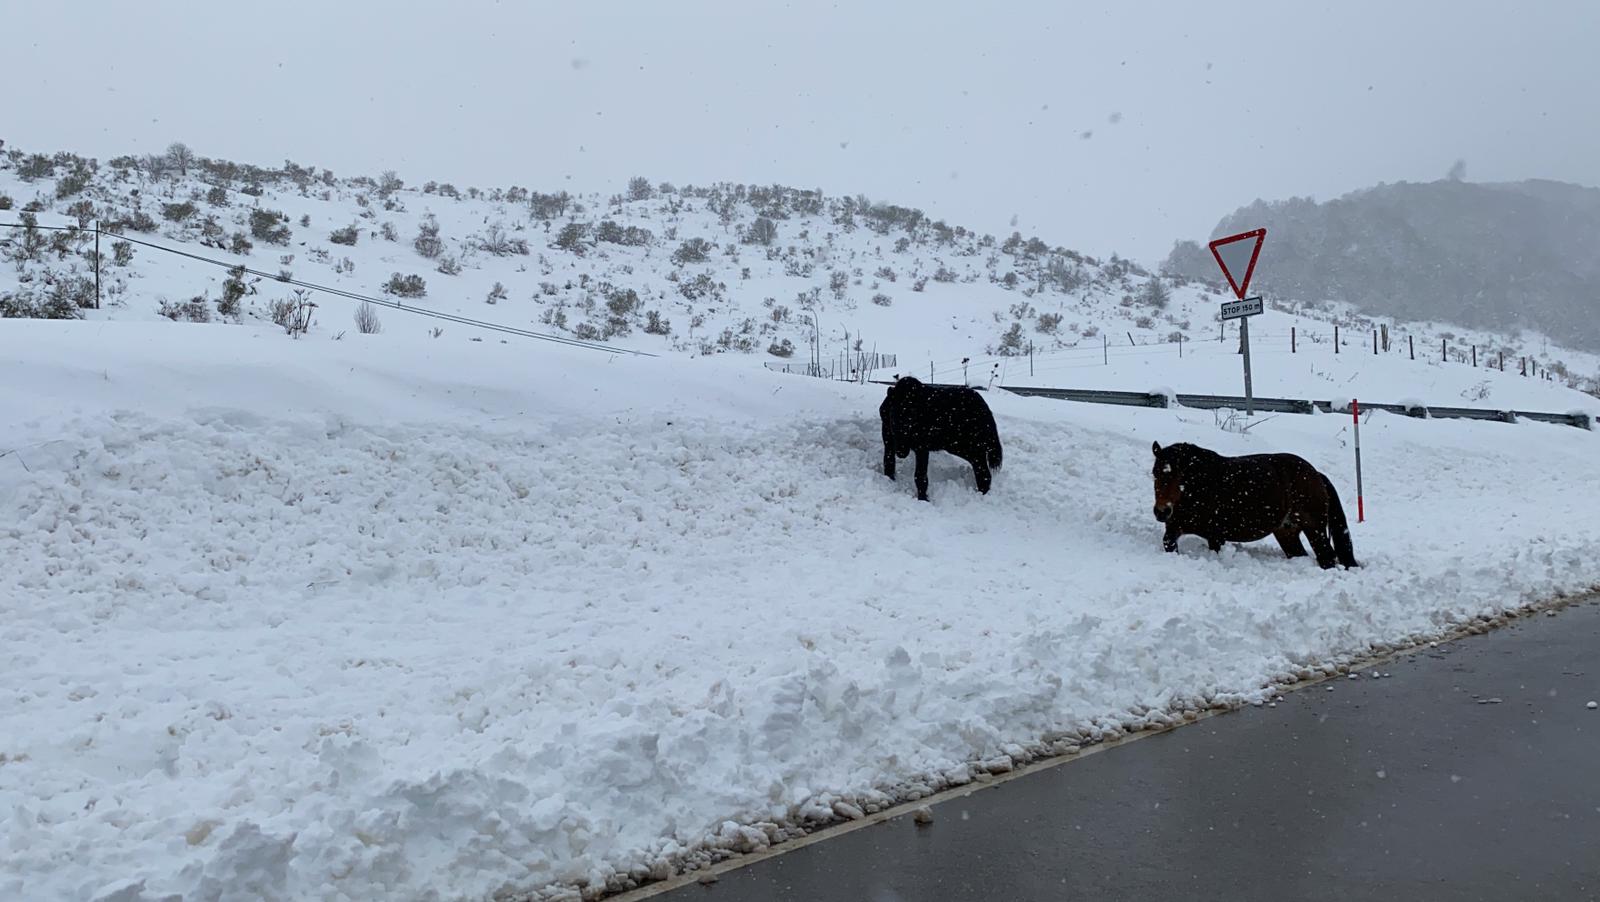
(1472,772)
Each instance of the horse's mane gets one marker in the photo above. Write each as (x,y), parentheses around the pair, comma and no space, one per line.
(1187,453)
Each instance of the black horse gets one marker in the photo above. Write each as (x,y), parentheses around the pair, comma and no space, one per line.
(1242,499)
(952,418)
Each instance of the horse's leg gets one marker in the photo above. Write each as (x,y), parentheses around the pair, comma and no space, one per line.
(922,474)
(888,460)
(1214,545)
(980,469)
(1317,534)
(1289,540)
(1169,540)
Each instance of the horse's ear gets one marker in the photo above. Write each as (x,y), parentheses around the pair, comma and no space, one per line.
(1155,448)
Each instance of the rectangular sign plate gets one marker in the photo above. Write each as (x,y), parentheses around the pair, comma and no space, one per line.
(1237,309)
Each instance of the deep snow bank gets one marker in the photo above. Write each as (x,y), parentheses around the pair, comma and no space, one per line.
(369,619)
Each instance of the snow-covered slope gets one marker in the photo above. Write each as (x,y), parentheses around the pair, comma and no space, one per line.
(402,617)
(700,270)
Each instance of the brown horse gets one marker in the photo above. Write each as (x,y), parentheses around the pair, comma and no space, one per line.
(1243,499)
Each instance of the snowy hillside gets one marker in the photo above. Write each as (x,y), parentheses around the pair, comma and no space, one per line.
(395,617)
(789,277)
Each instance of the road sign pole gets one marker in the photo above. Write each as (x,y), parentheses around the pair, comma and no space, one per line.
(1249,393)
(1361,505)
(1236,255)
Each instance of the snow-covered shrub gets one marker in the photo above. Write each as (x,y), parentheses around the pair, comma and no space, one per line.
(695,250)
(571,238)
(427,242)
(195,310)
(411,286)
(270,226)
(348,235)
(233,291)
(179,212)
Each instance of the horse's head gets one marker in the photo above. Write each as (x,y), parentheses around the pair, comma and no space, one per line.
(903,401)
(1168,475)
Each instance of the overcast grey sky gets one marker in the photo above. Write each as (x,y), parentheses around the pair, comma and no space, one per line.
(1120,128)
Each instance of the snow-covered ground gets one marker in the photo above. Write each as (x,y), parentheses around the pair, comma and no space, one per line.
(397,617)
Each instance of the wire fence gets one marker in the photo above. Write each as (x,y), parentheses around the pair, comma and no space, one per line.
(852,366)
(1295,340)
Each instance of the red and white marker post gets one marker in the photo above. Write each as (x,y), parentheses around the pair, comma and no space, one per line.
(1361,507)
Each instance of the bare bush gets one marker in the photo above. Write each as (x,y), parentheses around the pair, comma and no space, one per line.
(294,312)
(367,319)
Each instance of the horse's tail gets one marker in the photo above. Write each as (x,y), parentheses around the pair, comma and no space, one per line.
(1339,527)
(995,453)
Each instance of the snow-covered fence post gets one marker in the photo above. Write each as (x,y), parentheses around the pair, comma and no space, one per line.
(1335,338)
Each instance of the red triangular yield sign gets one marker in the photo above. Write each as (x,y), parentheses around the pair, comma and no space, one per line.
(1237,254)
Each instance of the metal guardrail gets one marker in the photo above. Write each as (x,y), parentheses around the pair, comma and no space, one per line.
(1287,405)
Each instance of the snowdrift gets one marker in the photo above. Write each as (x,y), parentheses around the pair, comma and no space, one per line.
(401,618)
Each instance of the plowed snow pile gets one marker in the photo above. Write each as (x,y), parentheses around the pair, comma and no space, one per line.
(362,619)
